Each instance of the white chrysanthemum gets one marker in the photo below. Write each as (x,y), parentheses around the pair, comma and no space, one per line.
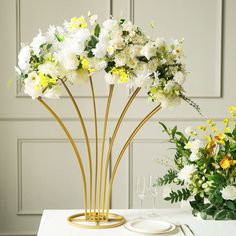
(120,59)
(78,76)
(141,68)
(143,80)
(51,33)
(49,68)
(100,50)
(179,77)
(128,26)
(54,93)
(185,174)
(194,156)
(117,41)
(24,59)
(194,145)
(152,65)
(37,42)
(229,192)
(109,24)
(169,86)
(110,79)
(66,55)
(100,65)
(93,19)
(149,50)
(32,85)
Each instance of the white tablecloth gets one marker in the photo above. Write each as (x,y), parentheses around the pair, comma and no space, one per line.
(53,223)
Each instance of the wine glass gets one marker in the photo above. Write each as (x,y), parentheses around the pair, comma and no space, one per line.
(141,189)
(153,190)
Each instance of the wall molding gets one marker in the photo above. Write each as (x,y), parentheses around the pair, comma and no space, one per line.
(20,142)
(18,234)
(112,119)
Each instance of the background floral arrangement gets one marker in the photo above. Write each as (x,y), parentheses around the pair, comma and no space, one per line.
(83,47)
(205,163)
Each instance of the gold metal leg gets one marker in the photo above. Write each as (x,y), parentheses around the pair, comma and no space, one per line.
(96,140)
(74,148)
(86,140)
(140,125)
(103,145)
(112,142)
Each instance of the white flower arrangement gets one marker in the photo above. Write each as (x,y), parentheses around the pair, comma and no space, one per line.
(83,47)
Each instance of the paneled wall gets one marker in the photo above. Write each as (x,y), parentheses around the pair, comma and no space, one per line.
(37,166)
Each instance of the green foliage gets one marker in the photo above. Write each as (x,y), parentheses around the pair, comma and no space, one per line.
(211,175)
(167,178)
(179,195)
(110,65)
(97,30)
(211,211)
(60,38)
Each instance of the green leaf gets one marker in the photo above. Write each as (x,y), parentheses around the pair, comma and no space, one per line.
(92,42)
(178,196)
(110,65)
(221,215)
(231,205)
(60,38)
(97,30)
(90,54)
(174,131)
(165,128)
(122,21)
(167,178)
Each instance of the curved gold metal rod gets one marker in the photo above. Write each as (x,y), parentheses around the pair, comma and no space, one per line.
(86,140)
(74,148)
(140,125)
(108,157)
(96,140)
(103,143)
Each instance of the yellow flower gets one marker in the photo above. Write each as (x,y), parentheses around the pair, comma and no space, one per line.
(202,127)
(233,115)
(73,23)
(211,123)
(226,129)
(214,130)
(123,76)
(232,109)
(91,70)
(225,163)
(84,63)
(77,23)
(188,145)
(226,121)
(210,146)
(220,138)
(208,138)
(45,80)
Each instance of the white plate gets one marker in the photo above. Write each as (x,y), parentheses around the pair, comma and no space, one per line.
(150,226)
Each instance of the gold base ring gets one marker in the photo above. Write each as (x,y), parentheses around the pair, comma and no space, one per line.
(96,221)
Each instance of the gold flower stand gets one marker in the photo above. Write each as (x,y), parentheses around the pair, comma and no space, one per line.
(96,213)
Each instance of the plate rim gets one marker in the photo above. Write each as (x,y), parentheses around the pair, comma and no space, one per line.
(133,229)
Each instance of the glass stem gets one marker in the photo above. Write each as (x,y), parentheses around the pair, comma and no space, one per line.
(141,203)
(154,202)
